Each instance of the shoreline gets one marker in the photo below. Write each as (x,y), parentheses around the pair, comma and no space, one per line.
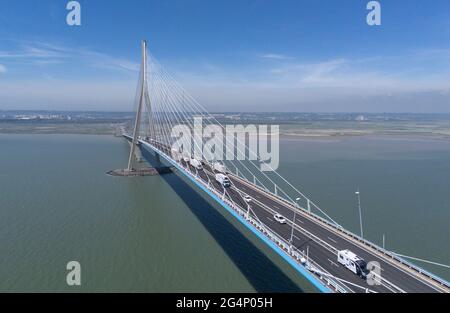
(283,137)
(315,131)
(332,137)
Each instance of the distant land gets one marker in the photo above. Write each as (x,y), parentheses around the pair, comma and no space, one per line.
(292,124)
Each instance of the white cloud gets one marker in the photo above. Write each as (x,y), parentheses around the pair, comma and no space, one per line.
(102,60)
(406,83)
(275,56)
(43,53)
(417,81)
(2,69)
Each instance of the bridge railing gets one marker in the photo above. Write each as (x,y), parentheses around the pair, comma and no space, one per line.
(290,250)
(333,250)
(358,238)
(339,228)
(263,229)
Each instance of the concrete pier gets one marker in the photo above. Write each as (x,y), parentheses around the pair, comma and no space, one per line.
(145,171)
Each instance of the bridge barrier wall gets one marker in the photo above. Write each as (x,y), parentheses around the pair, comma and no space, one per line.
(365,242)
(338,228)
(321,286)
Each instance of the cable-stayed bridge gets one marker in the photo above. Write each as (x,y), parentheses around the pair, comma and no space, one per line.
(277,212)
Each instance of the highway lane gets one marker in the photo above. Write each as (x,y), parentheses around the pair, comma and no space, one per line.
(322,256)
(392,273)
(325,258)
(315,251)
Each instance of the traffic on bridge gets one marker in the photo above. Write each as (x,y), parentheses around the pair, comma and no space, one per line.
(310,241)
(332,258)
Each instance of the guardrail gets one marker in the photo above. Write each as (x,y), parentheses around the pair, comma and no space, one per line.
(367,243)
(332,249)
(263,229)
(288,249)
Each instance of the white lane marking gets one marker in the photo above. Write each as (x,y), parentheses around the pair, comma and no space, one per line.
(332,240)
(333,263)
(297,237)
(300,221)
(270,219)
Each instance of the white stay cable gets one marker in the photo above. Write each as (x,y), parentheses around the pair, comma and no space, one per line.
(176,93)
(200,108)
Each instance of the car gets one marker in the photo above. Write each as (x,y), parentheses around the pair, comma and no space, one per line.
(176,155)
(196,163)
(247,198)
(279,218)
(223,180)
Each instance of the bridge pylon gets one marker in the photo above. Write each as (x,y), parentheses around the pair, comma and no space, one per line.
(143,100)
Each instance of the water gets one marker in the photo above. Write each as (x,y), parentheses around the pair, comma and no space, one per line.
(404,184)
(129,234)
(155,234)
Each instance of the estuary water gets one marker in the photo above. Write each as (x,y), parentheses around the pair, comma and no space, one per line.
(155,234)
(404,185)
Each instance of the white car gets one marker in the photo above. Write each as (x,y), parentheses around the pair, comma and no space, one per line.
(247,198)
(279,218)
(196,163)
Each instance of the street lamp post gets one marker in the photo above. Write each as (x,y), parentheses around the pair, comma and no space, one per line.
(360,214)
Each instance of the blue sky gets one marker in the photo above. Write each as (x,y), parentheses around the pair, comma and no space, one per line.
(315,55)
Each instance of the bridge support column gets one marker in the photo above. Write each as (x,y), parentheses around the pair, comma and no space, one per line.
(309,205)
(137,122)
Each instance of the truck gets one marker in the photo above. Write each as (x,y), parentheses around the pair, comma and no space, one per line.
(353,262)
(219,167)
(223,180)
(196,163)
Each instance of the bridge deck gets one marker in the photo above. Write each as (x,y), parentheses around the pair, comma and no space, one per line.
(322,240)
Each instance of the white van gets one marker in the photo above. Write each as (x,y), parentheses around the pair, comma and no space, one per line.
(353,262)
(196,163)
(223,180)
(176,155)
